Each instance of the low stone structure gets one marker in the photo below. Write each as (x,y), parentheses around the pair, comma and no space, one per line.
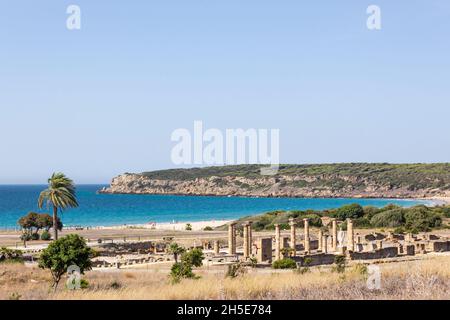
(264,250)
(232,238)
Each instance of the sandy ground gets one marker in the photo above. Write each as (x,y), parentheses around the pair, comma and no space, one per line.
(174,226)
(439,200)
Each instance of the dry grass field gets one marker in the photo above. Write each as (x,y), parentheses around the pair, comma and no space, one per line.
(421,279)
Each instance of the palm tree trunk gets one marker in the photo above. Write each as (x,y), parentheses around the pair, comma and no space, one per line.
(55,223)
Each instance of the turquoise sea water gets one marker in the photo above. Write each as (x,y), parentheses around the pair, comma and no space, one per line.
(106,210)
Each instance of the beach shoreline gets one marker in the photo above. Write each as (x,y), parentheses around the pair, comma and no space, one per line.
(163,226)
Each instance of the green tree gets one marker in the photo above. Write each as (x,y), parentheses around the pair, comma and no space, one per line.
(30,223)
(181,270)
(193,257)
(60,194)
(63,253)
(352,211)
(389,219)
(176,250)
(285,263)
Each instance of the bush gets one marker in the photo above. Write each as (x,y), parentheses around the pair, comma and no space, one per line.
(422,219)
(314,220)
(63,253)
(339,264)
(193,257)
(305,267)
(234,270)
(115,285)
(34,236)
(446,212)
(370,211)
(284,264)
(207,228)
(84,284)
(46,236)
(181,270)
(25,237)
(352,211)
(10,255)
(389,219)
(363,222)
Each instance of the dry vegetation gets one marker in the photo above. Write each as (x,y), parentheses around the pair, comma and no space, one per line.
(422,279)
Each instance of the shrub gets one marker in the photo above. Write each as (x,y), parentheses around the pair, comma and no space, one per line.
(14,296)
(339,264)
(314,220)
(389,219)
(284,264)
(181,270)
(352,211)
(207,228)
(363,222)
(305,267)
(34,236)
(84,284)
(370,211)
(115,285)
(46,235)
(63,253)
(234,270)
(25,236)
(361,269)
(400,230)
(446,212)
(193,257)
(422,219)
(10,255)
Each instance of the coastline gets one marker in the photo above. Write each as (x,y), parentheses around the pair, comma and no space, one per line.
(163,226)
(213,223)
(437,201)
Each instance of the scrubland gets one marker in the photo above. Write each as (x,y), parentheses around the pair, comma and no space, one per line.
(428,278)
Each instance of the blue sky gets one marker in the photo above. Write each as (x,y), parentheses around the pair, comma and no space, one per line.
(105,99)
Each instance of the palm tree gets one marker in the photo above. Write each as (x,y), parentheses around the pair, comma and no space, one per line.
(176,250)
(60,194)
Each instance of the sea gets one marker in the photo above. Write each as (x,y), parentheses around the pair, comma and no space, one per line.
(122,209)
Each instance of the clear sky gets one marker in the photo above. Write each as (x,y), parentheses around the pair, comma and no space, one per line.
(105,99)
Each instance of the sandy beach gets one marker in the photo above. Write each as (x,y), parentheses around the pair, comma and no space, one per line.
(168,226)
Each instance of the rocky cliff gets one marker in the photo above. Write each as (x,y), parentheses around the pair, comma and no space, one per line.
(340,180)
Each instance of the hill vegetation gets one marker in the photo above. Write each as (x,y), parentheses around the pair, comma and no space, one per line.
(417,176)
(340,180)
(415,219)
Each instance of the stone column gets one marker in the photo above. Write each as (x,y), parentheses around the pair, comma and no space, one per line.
(293,235)
(216,247)
(250,238)
(246,241)
(334,235)
(350,236)
(379,244)
(307,247)
(232,238)
(320,240)
(277,242)
(325,244)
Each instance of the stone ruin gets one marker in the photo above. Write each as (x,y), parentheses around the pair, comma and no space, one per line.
(320,249)
(327,244)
